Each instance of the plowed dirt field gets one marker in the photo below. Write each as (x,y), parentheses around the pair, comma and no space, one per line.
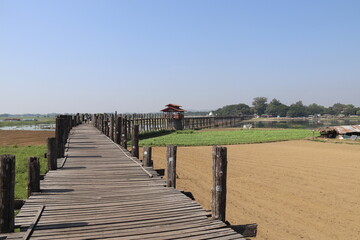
(24,138)
(293,189)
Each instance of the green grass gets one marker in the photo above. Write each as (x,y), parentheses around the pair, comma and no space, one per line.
(41,120)
(198,138)
(22,154)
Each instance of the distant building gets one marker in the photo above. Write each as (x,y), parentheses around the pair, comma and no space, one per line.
(30,120)
(342,132)
(12,119)
(173,111)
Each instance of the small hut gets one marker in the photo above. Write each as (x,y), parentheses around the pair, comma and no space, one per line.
(174,114)
(173,111)
(341,132)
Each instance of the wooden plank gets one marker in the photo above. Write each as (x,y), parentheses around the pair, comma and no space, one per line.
(32,226)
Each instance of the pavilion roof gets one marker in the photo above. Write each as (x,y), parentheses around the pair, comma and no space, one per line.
(172,109)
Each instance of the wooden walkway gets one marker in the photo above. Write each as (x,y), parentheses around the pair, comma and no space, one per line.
(103,193)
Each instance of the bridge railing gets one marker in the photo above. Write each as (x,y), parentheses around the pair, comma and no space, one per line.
(116,125)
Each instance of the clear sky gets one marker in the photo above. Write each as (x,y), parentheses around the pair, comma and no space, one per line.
(139,55)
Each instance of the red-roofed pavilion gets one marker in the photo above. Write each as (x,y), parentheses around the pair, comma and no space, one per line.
(173,111)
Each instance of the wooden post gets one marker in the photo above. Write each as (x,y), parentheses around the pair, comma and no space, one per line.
(118,130)
(65,125)
(112,123)
(135,141)
(106,128)
(51,154)
(147,157)
(218,203)
(102,123)
(59,138)
(7,193)
(171,166)
(34,175)
(124,133)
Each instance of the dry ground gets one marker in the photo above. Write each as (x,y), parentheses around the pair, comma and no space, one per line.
(293,190)
(24,138)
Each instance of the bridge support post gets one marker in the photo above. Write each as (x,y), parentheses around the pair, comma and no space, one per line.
(218,203)
(171,166)
(147,157)
(118,130)
(124,133)
(7,193)
(135,141)
(61,135)
(112,123)
(34,175)
(51,154)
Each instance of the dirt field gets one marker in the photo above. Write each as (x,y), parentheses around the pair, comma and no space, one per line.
(293,190)
(24,138)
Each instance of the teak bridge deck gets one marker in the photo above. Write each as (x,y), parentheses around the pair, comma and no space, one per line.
(103,193)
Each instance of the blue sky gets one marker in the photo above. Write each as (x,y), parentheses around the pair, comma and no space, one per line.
(137,56)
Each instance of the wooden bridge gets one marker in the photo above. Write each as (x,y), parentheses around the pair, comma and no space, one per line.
(101,192)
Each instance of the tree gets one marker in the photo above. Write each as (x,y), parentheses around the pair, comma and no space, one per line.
(297,110)
(233,110)
(339,108)
(314,109)
(349,109)
(259,105)
(276,108)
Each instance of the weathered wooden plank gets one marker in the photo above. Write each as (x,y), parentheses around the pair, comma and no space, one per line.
(33,224)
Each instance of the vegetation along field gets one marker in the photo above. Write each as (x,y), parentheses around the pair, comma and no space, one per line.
(235,136)
(24,144)
(27,121)
(22,153)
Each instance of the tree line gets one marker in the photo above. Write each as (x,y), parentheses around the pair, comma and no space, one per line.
(261,106)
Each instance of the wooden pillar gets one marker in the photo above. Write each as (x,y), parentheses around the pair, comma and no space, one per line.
(112,123)
(59,135)
(124,133)
(33,175)
(171,166)
(129,127)
(7,193)
(218,203)
(118,130)
(102,123)
(106,128)
(135,141)
(51,154)
(66,126)
(147,157)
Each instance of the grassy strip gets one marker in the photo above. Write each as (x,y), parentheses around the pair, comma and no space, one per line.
(197,138)
(22,154)
(337,141)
